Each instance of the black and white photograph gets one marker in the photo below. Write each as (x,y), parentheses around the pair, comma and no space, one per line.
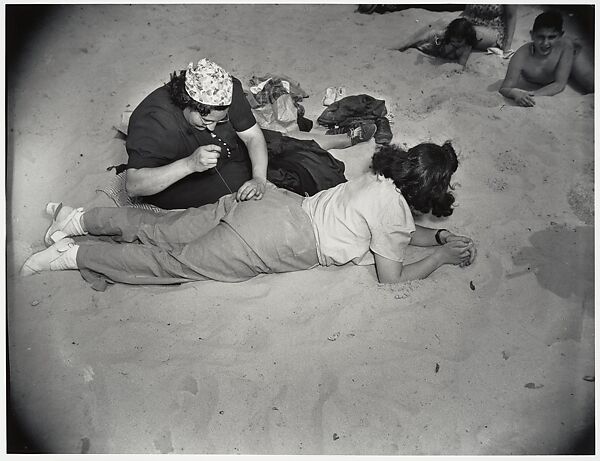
(326,229)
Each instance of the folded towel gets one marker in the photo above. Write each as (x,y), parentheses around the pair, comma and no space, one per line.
(499,52)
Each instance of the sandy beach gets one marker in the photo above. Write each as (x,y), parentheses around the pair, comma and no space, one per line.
(493,359)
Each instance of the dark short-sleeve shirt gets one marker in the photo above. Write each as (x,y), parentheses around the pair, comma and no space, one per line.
(159,134)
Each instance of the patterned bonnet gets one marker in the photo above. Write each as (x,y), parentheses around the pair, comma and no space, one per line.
(208,83)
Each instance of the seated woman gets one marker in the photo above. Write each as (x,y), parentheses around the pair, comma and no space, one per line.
(543,66)
(195,139)
(494,27)
(364,221)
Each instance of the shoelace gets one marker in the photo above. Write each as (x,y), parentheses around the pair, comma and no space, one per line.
(355,134)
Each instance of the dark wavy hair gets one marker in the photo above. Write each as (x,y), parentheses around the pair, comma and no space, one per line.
(461,28)
(550,19)
(422,174)
(182,99)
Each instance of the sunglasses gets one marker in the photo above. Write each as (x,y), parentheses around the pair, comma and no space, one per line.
(216,122)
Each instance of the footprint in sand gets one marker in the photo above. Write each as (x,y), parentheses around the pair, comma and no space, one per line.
(193,406)
(189,384)
(489,276)
(85,446)
(327,388)
(581,196)
(508,162)
(497,184)
(581,201)
(163,442)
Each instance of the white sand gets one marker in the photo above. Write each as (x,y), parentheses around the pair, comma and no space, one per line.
(248,368)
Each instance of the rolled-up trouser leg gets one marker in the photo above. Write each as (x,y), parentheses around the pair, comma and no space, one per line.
(269,235)
(167,229)
(221,254)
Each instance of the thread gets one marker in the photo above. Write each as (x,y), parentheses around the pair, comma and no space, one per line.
(228,155)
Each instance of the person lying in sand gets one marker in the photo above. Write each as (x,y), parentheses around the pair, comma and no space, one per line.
(199,124)
(456,43)
(543,66)
(494,27)
(367,220)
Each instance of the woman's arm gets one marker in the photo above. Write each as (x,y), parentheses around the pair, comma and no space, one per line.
(510,18)
(389,271)
(455,249)
(464,56)
(142,182)
(407,44)
(255,142)
(425,236)
(149,181)
(562,73)
(423,35)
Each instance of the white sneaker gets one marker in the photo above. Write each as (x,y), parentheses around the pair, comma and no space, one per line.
(65,222)
(60,256)
(333,94)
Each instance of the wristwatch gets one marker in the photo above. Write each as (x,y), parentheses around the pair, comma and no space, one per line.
(437,236)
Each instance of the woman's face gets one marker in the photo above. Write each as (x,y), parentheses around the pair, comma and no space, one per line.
(457,42)
(209,121)
(544,39)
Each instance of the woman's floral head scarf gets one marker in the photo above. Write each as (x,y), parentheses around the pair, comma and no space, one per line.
(208,83)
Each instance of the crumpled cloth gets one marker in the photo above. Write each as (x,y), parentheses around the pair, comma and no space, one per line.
(301,166)
(500,52)
(281,115)
(267,88)
(351,109)
(275,103)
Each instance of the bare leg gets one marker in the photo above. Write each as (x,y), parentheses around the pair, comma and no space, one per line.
(326,141)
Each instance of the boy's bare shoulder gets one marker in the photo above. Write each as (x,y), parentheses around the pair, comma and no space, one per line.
(524,49)
(522,54)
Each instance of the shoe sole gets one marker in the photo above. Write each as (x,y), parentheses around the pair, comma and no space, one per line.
(52,209)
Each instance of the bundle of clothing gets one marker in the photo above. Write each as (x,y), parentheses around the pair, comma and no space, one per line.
(301,166)
(275,102)
(351,111)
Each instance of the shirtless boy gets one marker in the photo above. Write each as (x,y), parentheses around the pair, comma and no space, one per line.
(543,66)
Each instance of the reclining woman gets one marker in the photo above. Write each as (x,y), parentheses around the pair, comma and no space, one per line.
(364,221)
(543,66)
(456,44)
(494,27)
